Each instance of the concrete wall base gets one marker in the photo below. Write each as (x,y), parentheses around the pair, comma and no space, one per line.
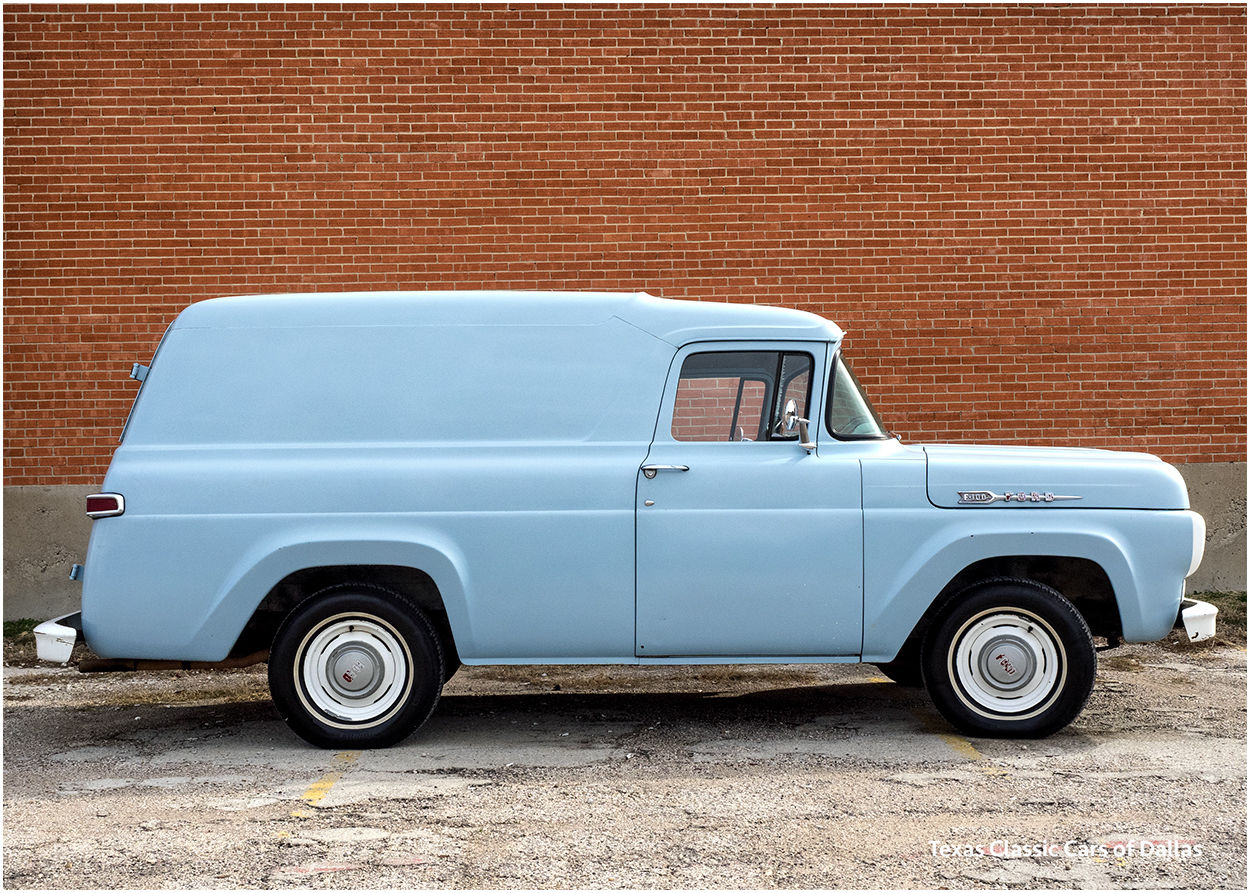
(1217,491)
(45,532)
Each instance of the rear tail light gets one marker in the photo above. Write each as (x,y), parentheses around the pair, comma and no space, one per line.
(105,505)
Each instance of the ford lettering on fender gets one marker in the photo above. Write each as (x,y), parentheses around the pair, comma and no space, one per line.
(369,489)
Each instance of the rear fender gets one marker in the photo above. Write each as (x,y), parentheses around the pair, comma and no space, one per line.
(262,569)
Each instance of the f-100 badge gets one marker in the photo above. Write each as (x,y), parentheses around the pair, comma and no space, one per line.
(985,497)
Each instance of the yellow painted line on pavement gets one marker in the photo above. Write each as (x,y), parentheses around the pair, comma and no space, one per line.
(957,743)
(318,789)
(961,746)
(965,748)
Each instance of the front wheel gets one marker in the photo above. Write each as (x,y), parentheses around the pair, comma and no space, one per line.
(1009,659)
(355,667)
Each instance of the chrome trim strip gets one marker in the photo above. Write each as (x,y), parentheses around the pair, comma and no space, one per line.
(988,497)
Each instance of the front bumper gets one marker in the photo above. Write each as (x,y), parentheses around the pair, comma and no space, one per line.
(54,639)
(1198,618)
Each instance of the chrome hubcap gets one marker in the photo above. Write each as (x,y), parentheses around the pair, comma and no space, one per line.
(354,670)
(1007,663)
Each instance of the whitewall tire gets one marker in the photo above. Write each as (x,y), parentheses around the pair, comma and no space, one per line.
(355,666)
(1009,658)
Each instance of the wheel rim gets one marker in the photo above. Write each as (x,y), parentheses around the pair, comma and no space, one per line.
(353,671)
(1007,664)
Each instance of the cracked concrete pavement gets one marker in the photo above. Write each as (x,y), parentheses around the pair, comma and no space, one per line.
(628,777)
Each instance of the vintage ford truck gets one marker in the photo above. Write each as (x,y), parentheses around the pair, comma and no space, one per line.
(370,489)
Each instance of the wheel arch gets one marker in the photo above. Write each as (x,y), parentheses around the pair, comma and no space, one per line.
(299,586)
(1091,569)
(1081,581)
(272,583)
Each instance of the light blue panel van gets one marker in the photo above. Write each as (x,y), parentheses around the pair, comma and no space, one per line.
(370,489)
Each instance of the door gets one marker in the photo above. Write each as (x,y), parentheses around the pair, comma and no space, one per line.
(748,544)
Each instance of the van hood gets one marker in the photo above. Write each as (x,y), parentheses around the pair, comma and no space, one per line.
(1051,478)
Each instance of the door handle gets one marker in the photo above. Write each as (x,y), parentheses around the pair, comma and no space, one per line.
(649,471)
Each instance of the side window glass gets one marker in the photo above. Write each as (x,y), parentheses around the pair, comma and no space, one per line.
(733,395)
(718,409)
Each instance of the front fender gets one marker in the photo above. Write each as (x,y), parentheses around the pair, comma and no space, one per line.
(1145,555)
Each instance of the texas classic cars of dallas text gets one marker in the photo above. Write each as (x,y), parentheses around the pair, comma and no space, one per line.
(369,490)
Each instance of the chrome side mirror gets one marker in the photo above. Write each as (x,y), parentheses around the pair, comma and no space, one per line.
(789,417)
(790,420)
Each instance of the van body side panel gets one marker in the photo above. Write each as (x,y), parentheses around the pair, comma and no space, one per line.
(293,387)
(500,460)
(182,586)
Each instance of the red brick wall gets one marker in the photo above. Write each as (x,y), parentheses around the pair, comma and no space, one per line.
(1031,219)
(703,409)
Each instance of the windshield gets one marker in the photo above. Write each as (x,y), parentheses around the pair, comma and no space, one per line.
(850,415)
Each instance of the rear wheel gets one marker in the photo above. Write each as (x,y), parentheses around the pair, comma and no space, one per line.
(1011,659)
(355,666)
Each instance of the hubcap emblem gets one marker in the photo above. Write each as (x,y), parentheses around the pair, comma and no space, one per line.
(355,672)
(350,673)
(1007,663)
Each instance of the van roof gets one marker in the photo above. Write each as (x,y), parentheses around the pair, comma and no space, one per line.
(676,322)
